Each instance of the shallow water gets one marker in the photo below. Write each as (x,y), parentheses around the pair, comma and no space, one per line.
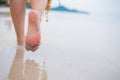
(74,47)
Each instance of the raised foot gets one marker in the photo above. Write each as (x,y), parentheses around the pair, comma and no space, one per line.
(33,37)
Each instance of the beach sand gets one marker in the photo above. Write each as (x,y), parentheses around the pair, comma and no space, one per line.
(74,47)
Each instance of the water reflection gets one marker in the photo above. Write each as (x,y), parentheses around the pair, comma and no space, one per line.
(29,70)
(16,71)
(43,72)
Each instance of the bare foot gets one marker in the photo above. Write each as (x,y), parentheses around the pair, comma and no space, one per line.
(33,37)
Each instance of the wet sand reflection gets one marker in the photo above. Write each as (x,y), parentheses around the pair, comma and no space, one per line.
(29,70)
(16,71)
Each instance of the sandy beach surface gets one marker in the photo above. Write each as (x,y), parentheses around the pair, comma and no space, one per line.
(74,47)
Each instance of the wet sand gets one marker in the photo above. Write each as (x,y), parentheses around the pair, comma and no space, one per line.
(74,47)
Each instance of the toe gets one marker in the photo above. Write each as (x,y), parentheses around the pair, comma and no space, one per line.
(35,48)
(27,48)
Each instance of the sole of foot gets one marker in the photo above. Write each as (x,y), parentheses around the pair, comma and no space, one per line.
(33,37)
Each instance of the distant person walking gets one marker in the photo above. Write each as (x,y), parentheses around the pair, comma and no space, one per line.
(32,39)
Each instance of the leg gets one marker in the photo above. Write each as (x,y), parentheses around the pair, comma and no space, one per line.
(17,8)
(33,38)
(39,6)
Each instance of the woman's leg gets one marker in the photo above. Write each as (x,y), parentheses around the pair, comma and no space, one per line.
(17,8)
(33,38)
(39,5)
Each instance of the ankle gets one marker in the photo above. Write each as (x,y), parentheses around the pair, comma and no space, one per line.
(39,14)
(21,42)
